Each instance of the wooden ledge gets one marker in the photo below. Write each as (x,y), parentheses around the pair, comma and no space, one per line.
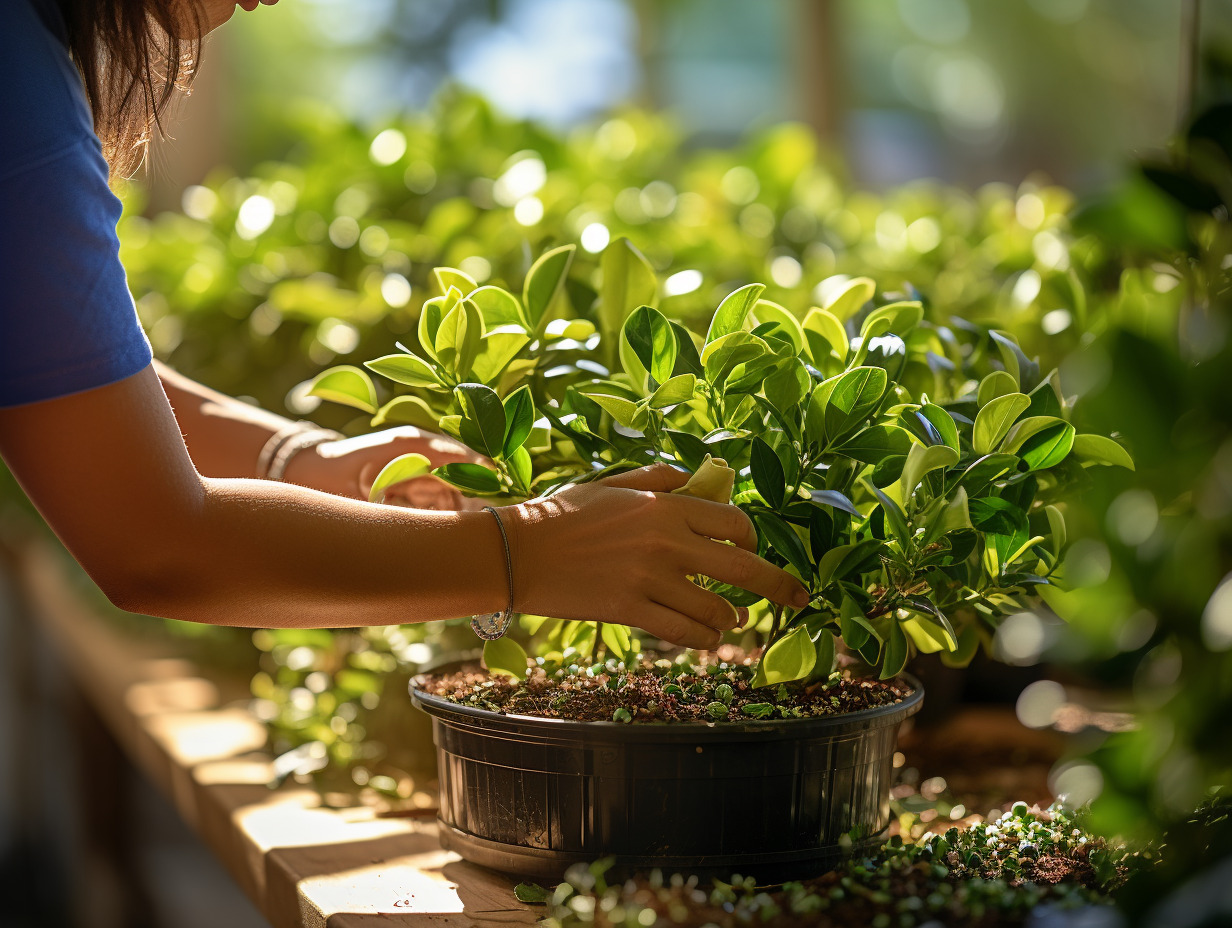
(301,864)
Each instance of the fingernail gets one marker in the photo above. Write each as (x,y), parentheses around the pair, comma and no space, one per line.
(800,599)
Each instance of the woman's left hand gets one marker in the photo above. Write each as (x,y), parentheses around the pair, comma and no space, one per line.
(348,467)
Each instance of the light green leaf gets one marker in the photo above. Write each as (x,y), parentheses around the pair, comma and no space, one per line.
(347,385)
(922,460)
(852,297)
(678,389)
(506,658)
(825,334)
(498,347)
(499,307)
(898,318)
(1100,450)
(995,419)
(543,281)
(730,315)
(790,658)
(767,311)
(853,397)
(619,640)
(403,467)
(628,282)
(406,410)
(458,338)
(1048,447)
(622,410)
(519,463)
(652,340)
(472,478)
(720,356)
(1056,529)
(928,635)
(943,422)
(786,385)
(998,383)
(430,316)
(1023,429)
(406,369)
(895,652)
(577,329)
(447,277)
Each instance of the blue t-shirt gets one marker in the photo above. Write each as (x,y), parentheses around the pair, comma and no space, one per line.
(67,319)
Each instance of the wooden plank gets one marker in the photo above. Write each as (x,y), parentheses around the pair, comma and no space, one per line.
(300,863)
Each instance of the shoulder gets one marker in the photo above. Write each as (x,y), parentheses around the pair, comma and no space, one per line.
(43,111)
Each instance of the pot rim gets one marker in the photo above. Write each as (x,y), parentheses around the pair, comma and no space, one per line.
(861,719)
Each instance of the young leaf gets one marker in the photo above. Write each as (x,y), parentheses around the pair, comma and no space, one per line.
(543,280)
(1024,429)
(785,541)
(823,334)
(506,658)
(720,356)
(406,410)
(406,369)
(403,467)
(790,658)
(767,311)
(928,636)
(619,639)
(497,349)
(651,338)
(995,419)
(1056,529)
(519,419)
(998,383)
(624,411)
(347,385)
(471,478)
(447,277)
(458,338)
(499,307)
(895,652)
(730,315)
(922,460)
(768,474)
(899,318)
(852,297)
(1100,450)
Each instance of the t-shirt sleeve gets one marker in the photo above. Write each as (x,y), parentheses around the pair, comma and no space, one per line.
(67,319)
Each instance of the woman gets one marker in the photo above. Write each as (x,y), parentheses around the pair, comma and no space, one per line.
(87,426)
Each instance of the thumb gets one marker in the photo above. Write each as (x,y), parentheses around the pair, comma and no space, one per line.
(658,478)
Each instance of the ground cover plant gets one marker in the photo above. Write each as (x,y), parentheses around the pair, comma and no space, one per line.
(906,472)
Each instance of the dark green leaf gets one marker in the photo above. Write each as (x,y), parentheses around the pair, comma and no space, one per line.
(768,474)
(473,478)
(877,443)
(519,418)
(783,539)
(483,418)
(836,500)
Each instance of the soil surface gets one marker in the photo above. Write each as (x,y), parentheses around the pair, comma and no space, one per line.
(662,692)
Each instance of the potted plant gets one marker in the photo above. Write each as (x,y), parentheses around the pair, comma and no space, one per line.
(906,471)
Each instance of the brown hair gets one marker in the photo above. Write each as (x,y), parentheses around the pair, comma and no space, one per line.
(133,55)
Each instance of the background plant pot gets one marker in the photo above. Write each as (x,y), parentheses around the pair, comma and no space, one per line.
(771,799)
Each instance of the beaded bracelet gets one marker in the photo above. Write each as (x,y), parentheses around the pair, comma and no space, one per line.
(492,625)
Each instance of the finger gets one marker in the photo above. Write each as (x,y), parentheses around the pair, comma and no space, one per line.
(700,605)
(720,521)
(749,572)
(658,478)
(743,613)
(672,626)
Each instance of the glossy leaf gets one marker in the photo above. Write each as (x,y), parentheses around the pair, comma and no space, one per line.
(519,418)
(835,500)
(943,422)
(405,369)
(504,657)
(406,410)
(499,307)
(823,333)
(730,315)
(720,356)
(768,474)
(471,478)
(483,419)
(1048,447)
(848,301)
(995,420)
(877,443)
(348,385)
(791,657)
(854,396)
(784,322)
(783,539)
(672,392)
(403,467)
(652,340)
(895,652)
(628,282)
(1100,450)
(543,281)
(921,461)
(998,383)
(447,277)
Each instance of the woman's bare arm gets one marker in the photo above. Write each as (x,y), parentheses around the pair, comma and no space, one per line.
(109,471)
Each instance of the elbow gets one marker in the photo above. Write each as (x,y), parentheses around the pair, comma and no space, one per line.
(150,585)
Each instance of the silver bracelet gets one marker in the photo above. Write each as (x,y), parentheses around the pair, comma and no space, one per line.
(293,445)
(493,625)
(276,441)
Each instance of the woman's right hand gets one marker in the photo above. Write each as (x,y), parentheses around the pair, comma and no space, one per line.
(621,550)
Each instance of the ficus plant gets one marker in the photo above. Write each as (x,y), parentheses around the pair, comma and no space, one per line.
(912,475)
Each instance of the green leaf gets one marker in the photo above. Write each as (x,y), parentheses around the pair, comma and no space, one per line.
(854,396)
(768,474)
(619,639)
(922,460)
(790,658)
(472,478)
(968,644)
(483,418)
(348,385)
(982,472)
(1046,397)
(1056,529)
(506,658)
(841,560)
(498,347)
(499,307)
(823,666)
(995,419)
(406,369)
(824,335)
(852,297)
(651,338)
(855,628)
(785,541)
(628,282)
(532,893)
(678,389)
(899,318)
(403,467)
(877,443)
(1100,450)
(768,311)
(730,315)
(458,338)
(758,710)
(943,422)
(622,410)
(447,277)
(895,517)
(720,356)
(1048,447)
(519,463)
(1023,429)
(895,652)
(519,418)
(406,410)
(929,636)
(543,280)
(955,517)
(998,383)
(786,385)
(430,316)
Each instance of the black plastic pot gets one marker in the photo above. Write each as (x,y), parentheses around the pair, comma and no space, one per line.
(775,800)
